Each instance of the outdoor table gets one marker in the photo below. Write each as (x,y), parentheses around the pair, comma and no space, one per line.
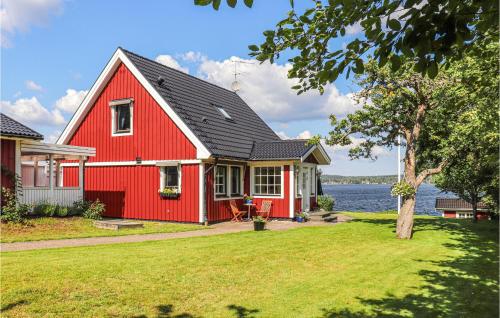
(249,205)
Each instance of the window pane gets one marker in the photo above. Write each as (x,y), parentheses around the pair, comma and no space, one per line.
(172,176)
(123,118)
(277,189)
(220,179)
(235,180)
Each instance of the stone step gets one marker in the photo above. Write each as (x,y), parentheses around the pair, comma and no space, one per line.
(117,224)
(331,219)
(320,215)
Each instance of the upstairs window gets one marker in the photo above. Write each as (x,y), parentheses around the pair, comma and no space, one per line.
(121,117)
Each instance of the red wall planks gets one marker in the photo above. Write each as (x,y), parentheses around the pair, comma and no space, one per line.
(8,160)
(219,210)
(132,191)
(155,135)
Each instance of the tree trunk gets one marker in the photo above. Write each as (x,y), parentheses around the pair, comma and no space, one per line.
(404,229)
(474,210)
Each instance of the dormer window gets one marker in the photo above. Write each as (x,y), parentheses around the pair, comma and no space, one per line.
(224,113)
(122,117)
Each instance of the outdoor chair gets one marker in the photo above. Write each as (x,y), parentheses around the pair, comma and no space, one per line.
(237,214)
(265,209)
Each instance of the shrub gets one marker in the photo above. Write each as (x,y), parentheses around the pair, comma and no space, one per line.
(79,207)
(326,202)
(45,209)
(11,210)
(95,211)
(61,211)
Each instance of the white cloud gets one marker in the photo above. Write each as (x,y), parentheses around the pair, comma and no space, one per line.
(52,138)
(353,29)
(306,134)
(193,56)
(30,111)
(267,89)
(169,61)
(70,102)
(20,15)
(31,85)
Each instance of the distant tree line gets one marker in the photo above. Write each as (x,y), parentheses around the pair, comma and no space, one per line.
(336,179)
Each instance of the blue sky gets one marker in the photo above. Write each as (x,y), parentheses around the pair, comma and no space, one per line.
(53,50)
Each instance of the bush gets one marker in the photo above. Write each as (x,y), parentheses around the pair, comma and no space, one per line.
(11,210)
(79,207)
(61,211)
(45,209)
(326,202)
(95,211)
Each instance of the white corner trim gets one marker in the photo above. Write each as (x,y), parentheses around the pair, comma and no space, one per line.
(201,191)
(321,150)
(291,176)
(117,58)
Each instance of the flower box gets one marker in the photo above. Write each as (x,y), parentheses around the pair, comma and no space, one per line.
(169,195)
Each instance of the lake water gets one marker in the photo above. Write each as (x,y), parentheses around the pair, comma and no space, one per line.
(377,197)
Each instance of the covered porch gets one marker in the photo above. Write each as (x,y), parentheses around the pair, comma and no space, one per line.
(41,173)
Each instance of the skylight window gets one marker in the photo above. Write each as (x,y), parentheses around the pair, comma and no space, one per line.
(224,113)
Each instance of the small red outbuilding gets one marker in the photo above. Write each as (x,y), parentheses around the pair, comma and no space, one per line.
(455,208)
(156,129)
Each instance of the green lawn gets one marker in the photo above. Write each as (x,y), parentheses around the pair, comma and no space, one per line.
(47,228)
(355,269)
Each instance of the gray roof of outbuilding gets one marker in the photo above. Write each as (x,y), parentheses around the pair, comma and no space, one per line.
(196,102)
(283,149)
(456,203)
(12,128)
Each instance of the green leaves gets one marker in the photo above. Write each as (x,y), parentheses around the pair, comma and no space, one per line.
(216,3)
(253,48)
(394,24)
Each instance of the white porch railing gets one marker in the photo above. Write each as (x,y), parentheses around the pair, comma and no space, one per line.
(60,196)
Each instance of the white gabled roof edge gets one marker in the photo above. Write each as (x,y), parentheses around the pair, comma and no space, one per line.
(201,151)
(326,158)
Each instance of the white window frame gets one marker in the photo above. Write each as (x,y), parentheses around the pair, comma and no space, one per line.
(225,193)
(117,103)
(298,181)
(312,179)
(268,165)
(228,195)
(162,167)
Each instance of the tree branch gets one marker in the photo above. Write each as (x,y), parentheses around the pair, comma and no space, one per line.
(427,172)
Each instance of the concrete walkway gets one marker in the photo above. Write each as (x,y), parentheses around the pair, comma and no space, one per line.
(216,229)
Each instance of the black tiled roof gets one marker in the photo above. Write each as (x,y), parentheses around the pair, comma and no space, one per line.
(283,149)
(456,203)
(196,102)
(11,128)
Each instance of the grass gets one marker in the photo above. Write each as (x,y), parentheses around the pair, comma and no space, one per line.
(355,269)
(50,228)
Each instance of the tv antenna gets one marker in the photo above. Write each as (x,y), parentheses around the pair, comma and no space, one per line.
(235,86)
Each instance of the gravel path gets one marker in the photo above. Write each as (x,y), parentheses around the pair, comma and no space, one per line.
(216,229)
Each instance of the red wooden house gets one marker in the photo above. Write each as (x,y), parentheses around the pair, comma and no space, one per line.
(154,127)
(456,208)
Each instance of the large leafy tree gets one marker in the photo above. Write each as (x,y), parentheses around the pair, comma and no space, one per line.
(443,121)
(406,104)
(473,172)
(429,32)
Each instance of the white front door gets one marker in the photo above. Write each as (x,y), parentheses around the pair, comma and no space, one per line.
(305,190)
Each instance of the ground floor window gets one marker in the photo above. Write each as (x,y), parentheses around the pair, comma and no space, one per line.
(170,178)
(221,180)
(228,181)
(267,181)
(235,181)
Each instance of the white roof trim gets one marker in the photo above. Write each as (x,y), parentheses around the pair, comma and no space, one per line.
(102,80)
(326,159)
(58,149)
